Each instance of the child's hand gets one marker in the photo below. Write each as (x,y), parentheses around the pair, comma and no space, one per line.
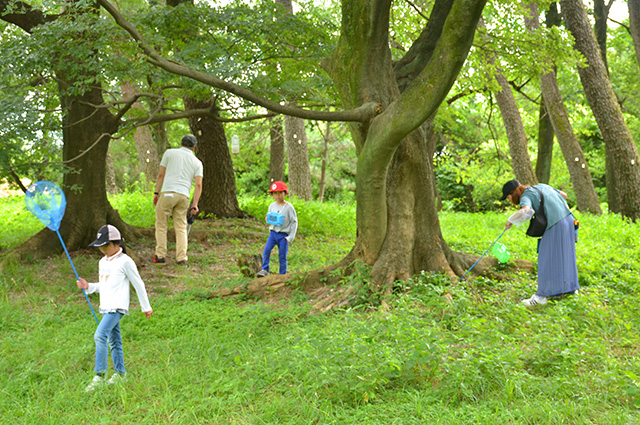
(148,314)
(82,284)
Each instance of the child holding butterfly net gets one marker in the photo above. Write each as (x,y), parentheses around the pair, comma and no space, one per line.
(117,270)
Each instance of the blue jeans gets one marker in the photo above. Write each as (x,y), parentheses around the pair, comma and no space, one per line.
(276,238)
(109,330)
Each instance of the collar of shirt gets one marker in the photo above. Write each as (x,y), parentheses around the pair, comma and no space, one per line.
(114,256)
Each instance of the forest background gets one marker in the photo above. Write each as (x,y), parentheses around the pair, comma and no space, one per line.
(409,349)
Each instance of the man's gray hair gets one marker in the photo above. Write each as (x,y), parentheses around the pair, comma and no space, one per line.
(189,141)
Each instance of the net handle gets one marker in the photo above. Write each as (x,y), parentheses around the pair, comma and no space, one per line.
(77,277)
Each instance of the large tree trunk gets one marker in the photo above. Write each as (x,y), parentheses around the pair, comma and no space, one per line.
(298,154)
(586,196)
(621,149)
(634,24)
(86,133)
(219,196)
(398,228)
(276,137)
(86,129)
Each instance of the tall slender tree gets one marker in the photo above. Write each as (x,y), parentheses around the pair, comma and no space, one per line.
(586,196)
(623,169)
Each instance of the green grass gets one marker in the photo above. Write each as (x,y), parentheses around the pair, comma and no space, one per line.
(479,358)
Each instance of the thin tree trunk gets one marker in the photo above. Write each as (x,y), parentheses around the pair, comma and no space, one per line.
(545,145)
(298,154)
(219,196)
(112,185)
(586,197)
(145,146)
(634,24)
(601,15)
(323,168)
(621,149)
(276,137)
(520,160)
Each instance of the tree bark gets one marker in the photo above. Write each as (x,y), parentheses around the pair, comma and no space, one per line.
(398,228)
(621,150)
(586,196)
(545,126)
(145,145)
(326,136)
(520,161)
(545,145)
(219,196)
(298,155)
(601,15)
(634,24)
(112,185)
(276,137)
(87,126)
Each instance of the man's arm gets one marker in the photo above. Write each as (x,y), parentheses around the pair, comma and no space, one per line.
(159,181)
(197,191)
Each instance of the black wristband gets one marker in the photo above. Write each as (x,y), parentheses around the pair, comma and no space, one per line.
(156,193)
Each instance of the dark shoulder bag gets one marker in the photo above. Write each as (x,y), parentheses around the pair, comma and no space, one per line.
(538,222)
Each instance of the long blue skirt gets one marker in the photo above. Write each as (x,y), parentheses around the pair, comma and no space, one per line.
(557,268)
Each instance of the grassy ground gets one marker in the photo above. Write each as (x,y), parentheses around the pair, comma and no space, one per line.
(443,353)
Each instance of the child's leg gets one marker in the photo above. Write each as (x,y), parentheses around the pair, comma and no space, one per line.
(266,254)
(108,322)
(283,250)
(115,343)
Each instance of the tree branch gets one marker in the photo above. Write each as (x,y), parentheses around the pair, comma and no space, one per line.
(363,113)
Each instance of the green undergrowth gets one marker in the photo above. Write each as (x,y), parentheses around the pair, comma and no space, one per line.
(439,352)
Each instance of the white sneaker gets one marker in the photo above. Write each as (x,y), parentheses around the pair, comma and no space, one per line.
(116,377)
(95,383)
(535,300)
(262,273)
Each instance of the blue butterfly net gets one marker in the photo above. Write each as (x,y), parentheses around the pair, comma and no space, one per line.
(46,201)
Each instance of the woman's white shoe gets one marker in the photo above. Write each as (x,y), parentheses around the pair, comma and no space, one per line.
(535,300)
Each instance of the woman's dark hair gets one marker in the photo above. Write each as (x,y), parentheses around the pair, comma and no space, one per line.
(517,194)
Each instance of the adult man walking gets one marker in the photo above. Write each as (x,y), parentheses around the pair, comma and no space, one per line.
(179,168)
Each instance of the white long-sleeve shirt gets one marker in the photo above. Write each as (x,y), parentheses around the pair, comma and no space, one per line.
(116,272)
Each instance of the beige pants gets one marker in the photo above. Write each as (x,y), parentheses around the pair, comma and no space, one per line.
(171,204)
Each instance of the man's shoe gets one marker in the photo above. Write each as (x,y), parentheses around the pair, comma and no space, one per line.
(262,273)
(95,383)
(182,263)
(157,260)
(535,300)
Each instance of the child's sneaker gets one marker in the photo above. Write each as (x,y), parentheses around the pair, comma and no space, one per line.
(95,383)
(117,377)
(262,273)
(157,260)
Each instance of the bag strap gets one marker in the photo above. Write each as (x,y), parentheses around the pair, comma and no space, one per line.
(541,200)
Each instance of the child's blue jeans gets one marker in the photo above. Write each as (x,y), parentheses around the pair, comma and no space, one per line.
(109,329)
(276,238)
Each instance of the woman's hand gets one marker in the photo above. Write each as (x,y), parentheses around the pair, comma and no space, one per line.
(148,314)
